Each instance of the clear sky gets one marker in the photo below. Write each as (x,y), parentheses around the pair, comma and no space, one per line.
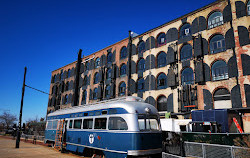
(45,35)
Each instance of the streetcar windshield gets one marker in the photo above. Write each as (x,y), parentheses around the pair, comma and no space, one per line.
(148,122)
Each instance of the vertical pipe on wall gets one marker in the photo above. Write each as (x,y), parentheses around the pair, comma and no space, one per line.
(129,62)
(78,65)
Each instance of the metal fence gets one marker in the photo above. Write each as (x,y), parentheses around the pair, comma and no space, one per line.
(32,137)
(204,150)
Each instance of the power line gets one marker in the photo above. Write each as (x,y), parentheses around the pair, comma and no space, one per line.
(37,90)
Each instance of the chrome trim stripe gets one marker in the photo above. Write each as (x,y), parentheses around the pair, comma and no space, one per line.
(114,151)
(144,152)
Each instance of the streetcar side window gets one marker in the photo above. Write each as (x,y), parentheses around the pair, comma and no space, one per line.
(87,123)
(70,123)
(148,123)
(141,122)
(49,125)
(100,123)
(54,126)
(77,124)
(117,123)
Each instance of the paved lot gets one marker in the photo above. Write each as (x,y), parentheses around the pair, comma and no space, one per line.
(28,150)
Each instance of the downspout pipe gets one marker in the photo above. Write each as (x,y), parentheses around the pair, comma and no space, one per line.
(78,65)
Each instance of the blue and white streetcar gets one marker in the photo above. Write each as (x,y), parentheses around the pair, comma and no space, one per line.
(123,127)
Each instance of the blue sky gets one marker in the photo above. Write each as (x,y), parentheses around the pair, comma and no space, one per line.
(46,34)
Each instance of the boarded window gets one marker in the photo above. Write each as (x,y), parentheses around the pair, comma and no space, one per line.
(161,39)
(161,59)
(186,52)
(187,76)
(141,47)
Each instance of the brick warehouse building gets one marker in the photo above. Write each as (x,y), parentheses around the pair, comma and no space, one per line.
(198,61)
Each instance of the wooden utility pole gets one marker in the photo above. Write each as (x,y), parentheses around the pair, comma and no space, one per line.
(21,111)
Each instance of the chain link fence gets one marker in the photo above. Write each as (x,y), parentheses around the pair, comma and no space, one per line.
(32,137)
(204,150)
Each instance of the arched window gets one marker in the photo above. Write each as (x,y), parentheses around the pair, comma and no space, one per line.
(84,81)
(58,102)
(123,70)
(122,89)
(96,77)
(162,81)
(97,62)
(161,59)
(222,99)
(215,19)
(140,85)
(107,92)
(186,52)
(161,39)
(61,75)
(67,86)
(123,53)
(141,65)
(95,94)
(66,99)
(84,96)
(219,70)
(187,76)
(87,66)
(108,74)
(185,30)
(141,47)
(248,8)
(69,72)
(217,44)
(162,103)
(109,58)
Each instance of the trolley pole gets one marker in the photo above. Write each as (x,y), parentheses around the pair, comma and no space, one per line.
(21,111)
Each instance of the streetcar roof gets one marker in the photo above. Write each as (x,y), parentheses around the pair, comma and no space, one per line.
(128,103)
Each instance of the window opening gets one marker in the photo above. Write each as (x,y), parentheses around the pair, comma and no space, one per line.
(100,123)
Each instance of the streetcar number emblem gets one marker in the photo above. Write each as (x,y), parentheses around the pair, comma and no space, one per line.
(91,138)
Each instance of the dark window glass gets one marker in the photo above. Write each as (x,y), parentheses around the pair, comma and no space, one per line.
(70,123)
(77,124)
(69,71)
(67,86)
(97,62)
(55,124)
(96,78)
(141,65)
(162,103)
(217,44)
(97,113)
(117,123)
(140,85)
(123,53)
(87,123)
(108,74)
(95,94)
(187,76)
(61,75)
(161,59)
(123,70)
(186,52)
(162,81)
(85,81)
(86,66)
(100,123)
(215,19)
(185,30)
(84,96)
(107,92)
(109,58)
(66,99)
(161,39)
(122,89)
(141,47)
(219,70)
